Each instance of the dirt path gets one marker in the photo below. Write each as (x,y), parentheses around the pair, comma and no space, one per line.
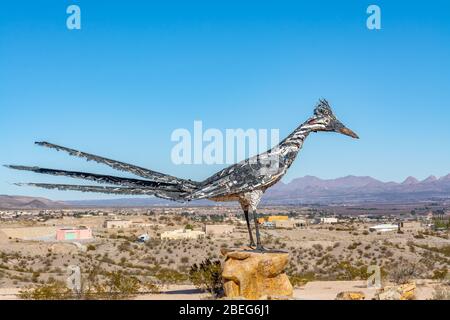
(316,290)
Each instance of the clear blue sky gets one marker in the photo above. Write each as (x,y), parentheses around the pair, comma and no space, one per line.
(136,71)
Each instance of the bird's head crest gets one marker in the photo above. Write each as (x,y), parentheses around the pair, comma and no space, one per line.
(325,120)
(323,109)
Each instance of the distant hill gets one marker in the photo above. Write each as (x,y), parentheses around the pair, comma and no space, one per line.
(311,189)
(307,190)
(133,202)
(24,202)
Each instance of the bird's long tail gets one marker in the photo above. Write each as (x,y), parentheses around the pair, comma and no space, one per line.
(157,184)
(122,166)
(100,178)
(174,196)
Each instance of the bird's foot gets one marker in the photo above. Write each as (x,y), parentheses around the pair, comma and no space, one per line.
(252,244)
(260,248)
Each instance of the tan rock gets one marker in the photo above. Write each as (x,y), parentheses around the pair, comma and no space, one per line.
(350,295)
(403,292)
(408,291)
(255,275)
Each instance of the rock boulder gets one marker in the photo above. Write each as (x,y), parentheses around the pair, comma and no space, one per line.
(255,275)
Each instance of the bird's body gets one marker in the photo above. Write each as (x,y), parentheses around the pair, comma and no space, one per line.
(244,182)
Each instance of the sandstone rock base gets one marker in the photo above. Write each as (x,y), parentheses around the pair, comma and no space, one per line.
(402,292)
(350,295)
(255,275)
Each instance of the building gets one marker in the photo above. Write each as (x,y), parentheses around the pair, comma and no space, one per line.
(117,224)
(284,224)
(141,224)
(72,234)
(269,225)
(277,218)
(272,219)
(218,229)
(301,223)
(384,227)
(329,220)
(182,234)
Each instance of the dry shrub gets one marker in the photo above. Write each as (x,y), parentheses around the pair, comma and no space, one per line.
(207,276)
(442,292)
(110,285)
(55,290)
(402,273)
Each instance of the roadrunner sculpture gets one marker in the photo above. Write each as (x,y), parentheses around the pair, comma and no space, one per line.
(244,182)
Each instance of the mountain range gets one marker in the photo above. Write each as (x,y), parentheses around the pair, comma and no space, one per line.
(24,202)
(310,189)
(307,190)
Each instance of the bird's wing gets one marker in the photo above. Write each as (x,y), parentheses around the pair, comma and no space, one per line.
(175,196)
(126,182)
(122,166)
(253,173)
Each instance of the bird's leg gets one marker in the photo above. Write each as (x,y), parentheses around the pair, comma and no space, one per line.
(249,228)
(259,247)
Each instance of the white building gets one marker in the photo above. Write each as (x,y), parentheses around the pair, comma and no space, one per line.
(329,220)
(384,227)
(269,225)
(285,224)
(218,229)
(117,224)
(182,234)
(141,224)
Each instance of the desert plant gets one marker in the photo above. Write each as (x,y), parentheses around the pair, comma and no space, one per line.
(207,276)
(51,291)
(96,285)
(403,273)
(442,292)
(119,285)
(189,227)
(440,274)
(166,276)
(302,278)
(184,259)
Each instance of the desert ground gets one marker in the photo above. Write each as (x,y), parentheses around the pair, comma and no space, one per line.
(314,290)
(324,259)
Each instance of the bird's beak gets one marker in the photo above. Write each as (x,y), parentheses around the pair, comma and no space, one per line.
(348,132)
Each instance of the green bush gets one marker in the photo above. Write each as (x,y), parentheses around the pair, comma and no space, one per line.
(302,278)
(440,274)
(442,292)
(52,291)
(109,285)
(207,276)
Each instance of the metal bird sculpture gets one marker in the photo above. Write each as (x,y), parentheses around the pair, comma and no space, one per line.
(244,182)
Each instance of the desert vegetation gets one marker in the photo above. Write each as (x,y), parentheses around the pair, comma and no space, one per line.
(115,262)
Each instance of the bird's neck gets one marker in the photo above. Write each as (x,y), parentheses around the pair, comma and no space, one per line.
(287,150)
(295,140)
